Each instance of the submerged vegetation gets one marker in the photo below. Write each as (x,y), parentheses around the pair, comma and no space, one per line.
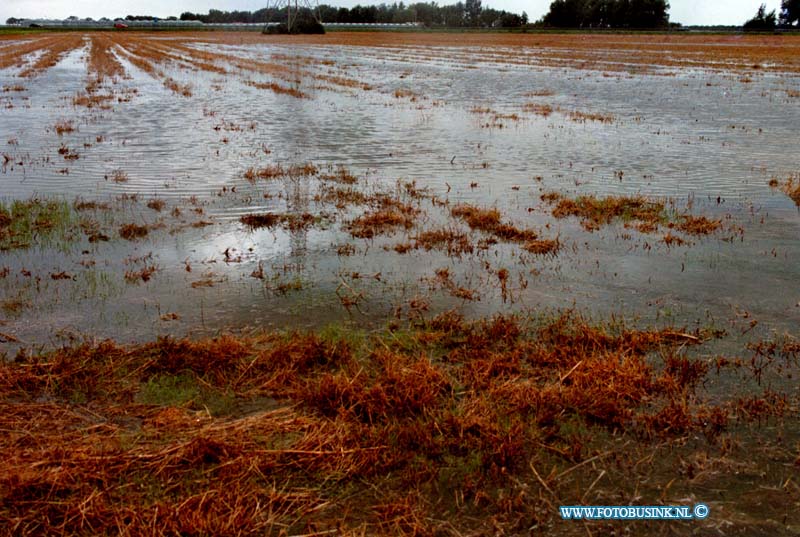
(790,187)
(489,221)
(644,214)
(35,222)
(595,212)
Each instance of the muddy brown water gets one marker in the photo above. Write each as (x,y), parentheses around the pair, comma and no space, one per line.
(707,141)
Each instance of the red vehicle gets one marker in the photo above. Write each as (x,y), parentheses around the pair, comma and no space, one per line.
(120,25)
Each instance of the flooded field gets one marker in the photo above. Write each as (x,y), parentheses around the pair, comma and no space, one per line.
(170,133)
(195,184)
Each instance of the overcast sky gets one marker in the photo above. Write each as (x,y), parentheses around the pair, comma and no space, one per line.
(683,11)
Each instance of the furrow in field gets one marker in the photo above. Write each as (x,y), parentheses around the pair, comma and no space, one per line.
(148,67)
(53,54)
(15,55)
(102,62)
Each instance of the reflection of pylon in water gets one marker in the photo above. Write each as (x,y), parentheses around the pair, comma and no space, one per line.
(297,203)
(293,8)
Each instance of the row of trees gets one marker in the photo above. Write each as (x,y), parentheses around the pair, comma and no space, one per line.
(607,14)
(789,17)
(461,14)
(470,13)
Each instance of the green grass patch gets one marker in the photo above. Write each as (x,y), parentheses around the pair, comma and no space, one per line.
(186,390)
(170,390)
(25,223)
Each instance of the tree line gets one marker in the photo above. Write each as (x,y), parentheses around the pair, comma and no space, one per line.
(470,13)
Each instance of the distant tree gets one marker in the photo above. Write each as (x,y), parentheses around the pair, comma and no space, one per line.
(425,13)
(566,13)
(12,20)
(473,12)
(762,20)
(607,14)
(790,12)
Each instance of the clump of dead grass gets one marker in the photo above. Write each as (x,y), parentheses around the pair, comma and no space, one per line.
(378,222)
(133,231)
(596,212)
(543,246)
(454,242)
(489,221)
(292,221)
(644,214)
(156,204)
(64,127)
(544,110)
(275,171)
(790,187)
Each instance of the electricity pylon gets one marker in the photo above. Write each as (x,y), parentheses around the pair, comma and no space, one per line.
(293,8)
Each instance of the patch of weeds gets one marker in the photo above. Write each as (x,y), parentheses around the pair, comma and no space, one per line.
(275,171)
(337,334)
(381,221)
(284,287)
(790,187)
(24,223)
(156,204)
(292,222)
(169,390)
(489,221)
(452,241)
(13,307)
(144,274)
(641,213)
(543,246)
(132,232)
(118,176)
(595,212)
(64,127)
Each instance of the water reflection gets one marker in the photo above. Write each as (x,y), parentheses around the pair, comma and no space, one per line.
(702,138)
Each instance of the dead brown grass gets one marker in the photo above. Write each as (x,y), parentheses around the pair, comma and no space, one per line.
(292,222)
(791,187)
(133,232)
(488,426)
(275,171)
(489,221)
(64,127)
(277,88)
(697,225)
(596,212)
(643,214)
(454,242)
(380,221)
(543,246)
(543,110)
